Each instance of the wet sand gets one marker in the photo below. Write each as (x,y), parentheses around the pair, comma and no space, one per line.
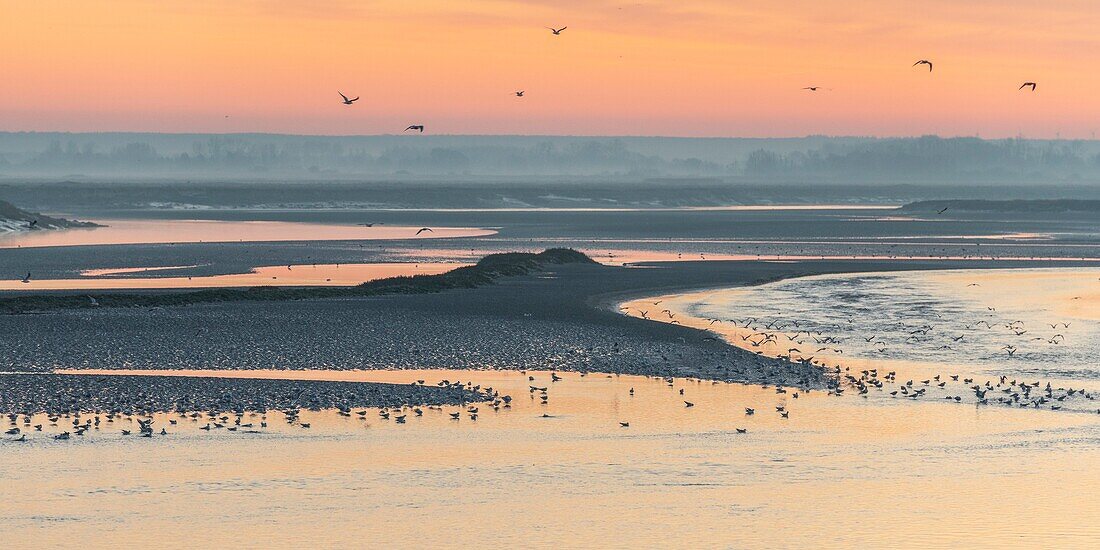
(564,319)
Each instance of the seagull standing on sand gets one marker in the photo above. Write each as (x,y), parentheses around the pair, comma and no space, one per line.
(924,62)
(27,279)
(346,100)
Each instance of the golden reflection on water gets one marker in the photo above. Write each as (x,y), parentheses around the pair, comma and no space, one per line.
(840,471)
(1072,293)
(211,231)
(294,275)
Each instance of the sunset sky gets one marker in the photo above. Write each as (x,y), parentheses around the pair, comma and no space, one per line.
(676,68)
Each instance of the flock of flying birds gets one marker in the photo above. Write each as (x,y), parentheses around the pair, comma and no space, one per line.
(557,32)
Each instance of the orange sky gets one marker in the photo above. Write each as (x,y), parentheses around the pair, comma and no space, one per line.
(692,68)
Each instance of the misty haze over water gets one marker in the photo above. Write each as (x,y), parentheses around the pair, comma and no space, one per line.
(816,159)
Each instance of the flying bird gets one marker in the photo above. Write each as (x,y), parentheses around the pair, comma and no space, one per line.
(1026,84)
(346,100)
(519,93)
(423,229)
(556,31)
(812,88)
(418,127)
(944,210)
(924,62)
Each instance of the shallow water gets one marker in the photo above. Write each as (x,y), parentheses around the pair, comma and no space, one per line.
(294,275)
(209,231)
(841,471)
(960,321)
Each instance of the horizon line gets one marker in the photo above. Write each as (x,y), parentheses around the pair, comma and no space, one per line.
(550,136)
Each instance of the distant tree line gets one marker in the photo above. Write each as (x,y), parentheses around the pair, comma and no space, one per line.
(925,159)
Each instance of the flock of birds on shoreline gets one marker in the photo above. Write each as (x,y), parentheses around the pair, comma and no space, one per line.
(64,426)
(790,340)
(76,423)
(1002,391)
(764,334)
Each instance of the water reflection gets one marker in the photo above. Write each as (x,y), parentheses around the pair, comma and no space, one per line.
(210,231)
(840,471)
(286,275)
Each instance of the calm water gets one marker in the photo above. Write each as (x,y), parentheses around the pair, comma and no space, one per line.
(840,471)
(283,275)
(195,231)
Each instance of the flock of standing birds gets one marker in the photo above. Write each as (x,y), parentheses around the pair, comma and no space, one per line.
(140,423)
(63,426)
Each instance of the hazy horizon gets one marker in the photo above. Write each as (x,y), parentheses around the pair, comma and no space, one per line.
(813,159)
